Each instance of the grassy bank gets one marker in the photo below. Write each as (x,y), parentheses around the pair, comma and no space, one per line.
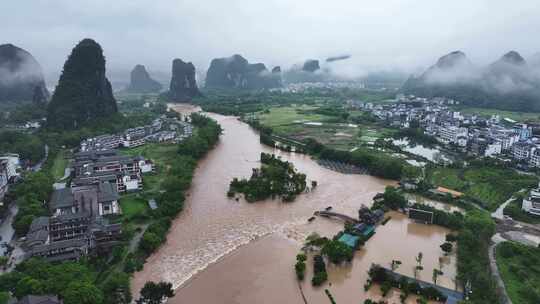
(59,165)
(520,271)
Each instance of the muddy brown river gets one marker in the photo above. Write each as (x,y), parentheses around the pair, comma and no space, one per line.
(220,250)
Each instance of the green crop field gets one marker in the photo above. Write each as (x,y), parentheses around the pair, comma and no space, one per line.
(289,115)
(517,116)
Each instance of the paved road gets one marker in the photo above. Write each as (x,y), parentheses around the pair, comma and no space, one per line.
(498,214)
(497,239)
(134,243)
(6,230)
(38,166)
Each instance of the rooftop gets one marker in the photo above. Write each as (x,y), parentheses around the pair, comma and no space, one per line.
(349,240)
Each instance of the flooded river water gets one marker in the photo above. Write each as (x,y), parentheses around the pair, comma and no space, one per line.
(220,250)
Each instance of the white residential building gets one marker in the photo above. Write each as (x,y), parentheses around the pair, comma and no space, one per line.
(522,150)
(13,164)
(534,160)
(132,141)
(450,134)
(462,141)
(4,180)
(531,204)
(493,148)
(146,166)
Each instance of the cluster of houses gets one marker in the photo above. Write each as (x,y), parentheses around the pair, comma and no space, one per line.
(78,225)
(469,133)
(162,129)
(29,126)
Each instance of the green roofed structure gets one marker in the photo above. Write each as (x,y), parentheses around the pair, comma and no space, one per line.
(368,231)
(349,240)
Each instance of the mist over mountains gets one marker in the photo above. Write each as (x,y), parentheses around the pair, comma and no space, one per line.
(21,76)
(236,72)
(141,82)
(509,83)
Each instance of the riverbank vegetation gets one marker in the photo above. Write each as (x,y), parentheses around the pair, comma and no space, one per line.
(518,265)
(275,178)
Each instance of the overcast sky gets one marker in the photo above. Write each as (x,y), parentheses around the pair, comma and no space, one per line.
(378,33)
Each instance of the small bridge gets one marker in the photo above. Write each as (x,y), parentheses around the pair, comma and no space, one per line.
(340,216)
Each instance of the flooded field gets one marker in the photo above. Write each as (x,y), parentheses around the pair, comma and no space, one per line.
(224,251)
(415,198)
(432,154)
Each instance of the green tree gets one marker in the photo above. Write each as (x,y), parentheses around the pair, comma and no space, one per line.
(155,293)
(149,242)
(82,293)
(395,264)
(436,274)
(393,199)
(28,286)
(418,267)
(337,252)
(116,288)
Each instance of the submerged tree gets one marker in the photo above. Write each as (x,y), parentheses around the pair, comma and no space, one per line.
(395,264)
(418,267)
(436,274)
(447,248)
